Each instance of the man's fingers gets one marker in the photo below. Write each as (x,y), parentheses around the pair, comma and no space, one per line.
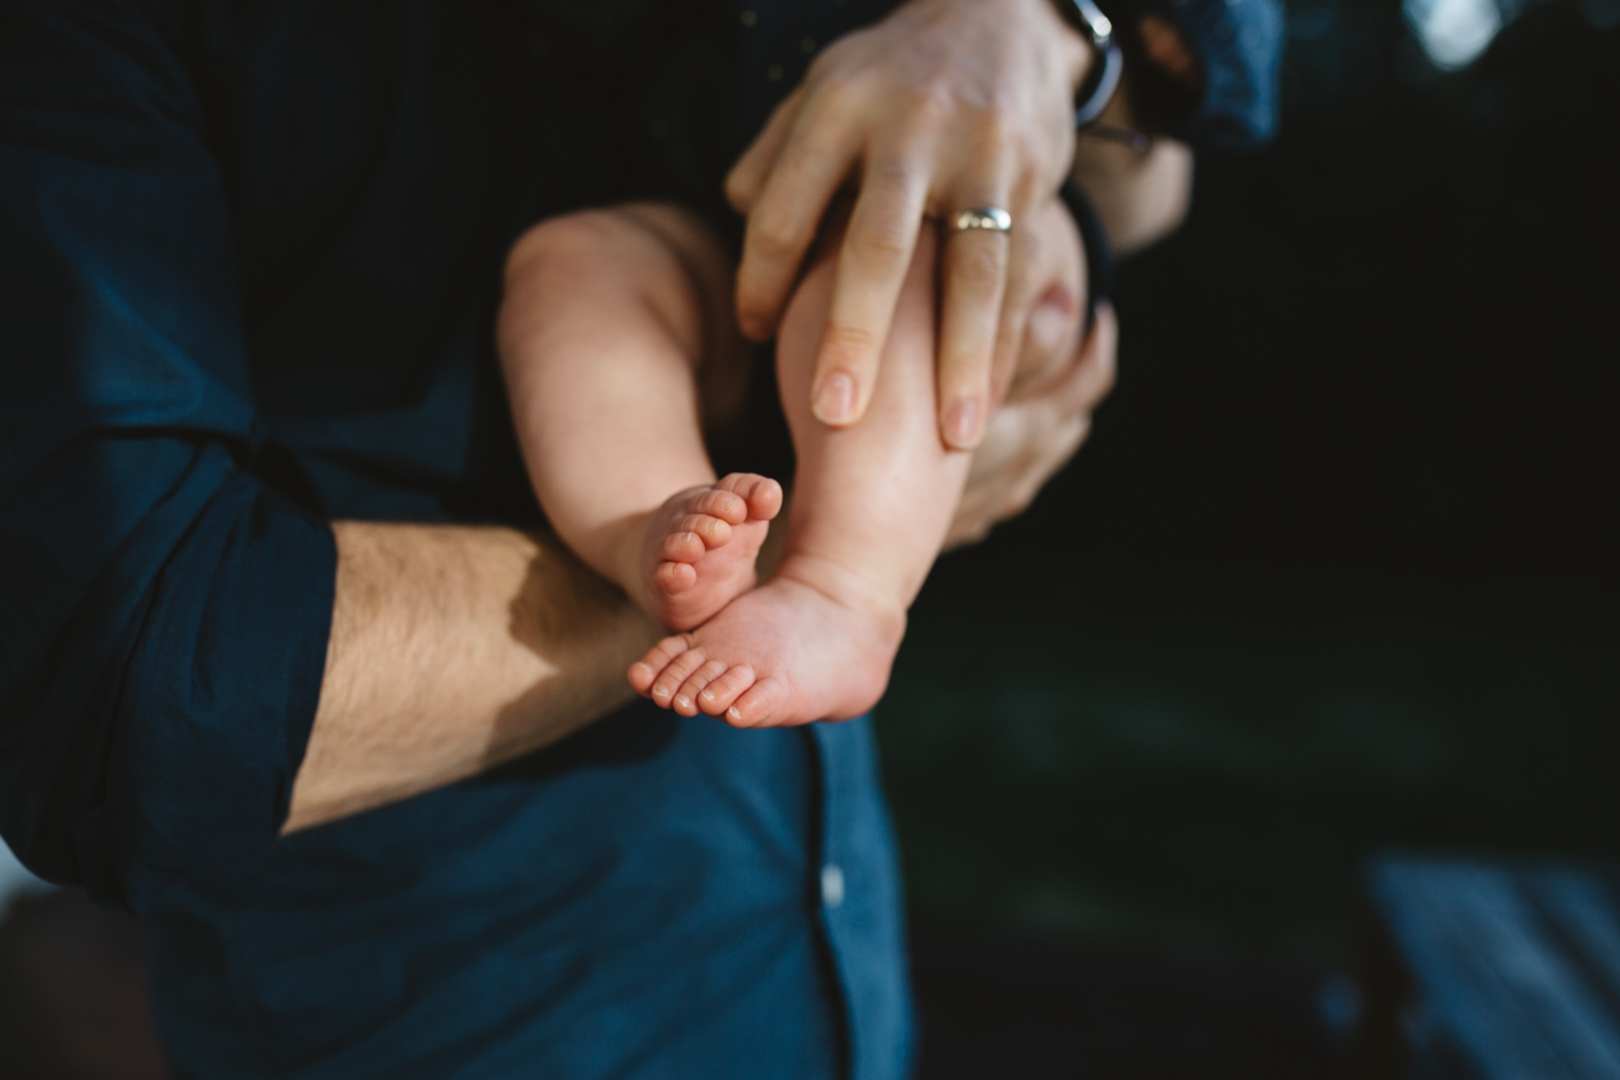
(1099,358)
(1079,386)
(872,265)
(1061,445)
(1041,317)
(1051,347)
(975,276)
(1024,275)
(804,176)
(747,178)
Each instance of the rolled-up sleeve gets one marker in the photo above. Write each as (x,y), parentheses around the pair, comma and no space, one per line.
(1239,44)
(164,610)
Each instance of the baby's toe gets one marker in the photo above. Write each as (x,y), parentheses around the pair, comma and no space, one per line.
(687,696)
(725,505)
(682,546)
(675,673)
(762,494)
(674,577)
(718,696)
(712,531)
(641,676)
(759,705)
(644,672)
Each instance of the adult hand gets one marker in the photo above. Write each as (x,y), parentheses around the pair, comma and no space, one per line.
(943,106)
(1039,427)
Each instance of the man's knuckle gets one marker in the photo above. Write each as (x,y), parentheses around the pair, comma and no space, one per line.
(847,343)
(1001,133)
(776,238)
(931,103)
(880,244)
(978,266)
(892,175)
(1031,188)
(837,90)
(741,186)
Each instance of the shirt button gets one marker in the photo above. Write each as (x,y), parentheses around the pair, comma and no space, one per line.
(832,885)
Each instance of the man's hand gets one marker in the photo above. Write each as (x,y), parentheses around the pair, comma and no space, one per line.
(943,106)
(1141,194)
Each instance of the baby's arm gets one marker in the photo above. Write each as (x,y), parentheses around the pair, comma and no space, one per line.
(611,322)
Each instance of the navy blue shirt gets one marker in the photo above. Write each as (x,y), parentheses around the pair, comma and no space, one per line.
(249,262)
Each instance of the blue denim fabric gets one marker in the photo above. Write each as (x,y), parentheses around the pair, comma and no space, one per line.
(1240,44)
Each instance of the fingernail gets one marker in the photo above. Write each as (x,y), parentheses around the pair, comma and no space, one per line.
(835,401)
(962,424)
(660,692)
(682,700)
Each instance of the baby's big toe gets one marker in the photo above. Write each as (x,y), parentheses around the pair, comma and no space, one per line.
(759,706)
(762,494)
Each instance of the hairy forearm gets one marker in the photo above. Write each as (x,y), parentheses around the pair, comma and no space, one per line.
(454,649)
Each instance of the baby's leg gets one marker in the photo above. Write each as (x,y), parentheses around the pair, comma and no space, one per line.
(609,316)
(871,506)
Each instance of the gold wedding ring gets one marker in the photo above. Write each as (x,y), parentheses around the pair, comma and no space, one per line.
(993,218)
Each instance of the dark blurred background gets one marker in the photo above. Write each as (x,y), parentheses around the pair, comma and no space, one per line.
(1336,574)
(1338,571)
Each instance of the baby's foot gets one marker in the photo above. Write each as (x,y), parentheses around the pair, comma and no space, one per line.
(812,643)
(701,545)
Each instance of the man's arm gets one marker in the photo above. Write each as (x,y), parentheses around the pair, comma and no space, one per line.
(454,649)
(1141,196)
(1199,73)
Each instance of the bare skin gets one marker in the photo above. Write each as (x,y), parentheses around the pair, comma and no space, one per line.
(452,650)
(612,323)
(871,507)
(1141,195)
(699,549)
(939,106)
(873,504)
(538,646)
(603,344)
